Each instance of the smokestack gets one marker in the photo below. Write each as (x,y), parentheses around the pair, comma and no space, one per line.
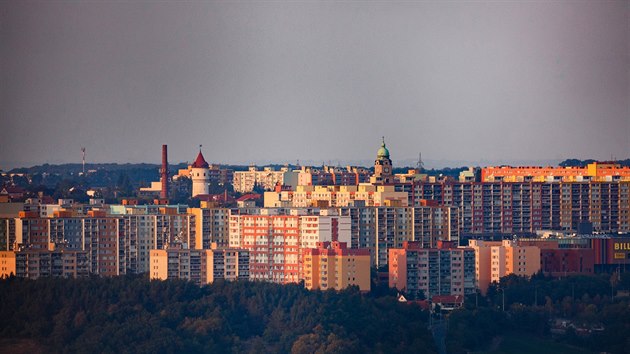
(164,173)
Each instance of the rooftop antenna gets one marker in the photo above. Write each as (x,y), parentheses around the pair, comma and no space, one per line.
(83,153)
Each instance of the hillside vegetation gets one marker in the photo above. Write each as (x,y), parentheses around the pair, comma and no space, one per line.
(135,315)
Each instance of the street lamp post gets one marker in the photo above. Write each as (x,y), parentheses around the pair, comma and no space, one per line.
(503,301)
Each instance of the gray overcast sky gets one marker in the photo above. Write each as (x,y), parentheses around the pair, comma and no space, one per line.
(281,81)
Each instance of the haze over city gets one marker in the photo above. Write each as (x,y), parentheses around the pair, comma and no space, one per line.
(461,82)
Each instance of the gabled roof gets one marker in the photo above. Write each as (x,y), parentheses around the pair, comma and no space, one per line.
(12,190)
(200,162)
(251,196)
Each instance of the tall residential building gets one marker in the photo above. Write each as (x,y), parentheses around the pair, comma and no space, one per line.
(199,266)
(331,265)
(429,272)
(273,245)
(326,176)
(141,232)
(7,234)
(596,171)
(525,207)
(268,178)
(276,242)
(211,225)
(97,234)
(115,243)
(35,263)
(32,230)
(102,235)
(336,196)
(496,259)
(381,228)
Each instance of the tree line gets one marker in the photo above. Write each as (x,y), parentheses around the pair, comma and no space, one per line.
(133,314)
(596,304)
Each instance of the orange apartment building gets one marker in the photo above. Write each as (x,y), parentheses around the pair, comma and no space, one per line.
(525,207)
(596,171)
(273,245)
(7,264)
(332,265)
(211,225)
(99,236)
(496,259)
(276,242)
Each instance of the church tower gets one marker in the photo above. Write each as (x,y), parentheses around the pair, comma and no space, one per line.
(200,174)
(383,173)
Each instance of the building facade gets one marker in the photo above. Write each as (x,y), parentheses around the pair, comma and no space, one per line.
(381,228)
(496,259)
(199,266)
(331,265)
(36,263)
(525,207)
(596,171)
(428,272)
(276,242)
(268,178)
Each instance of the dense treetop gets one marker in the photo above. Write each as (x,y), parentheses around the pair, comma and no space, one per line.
(132,314)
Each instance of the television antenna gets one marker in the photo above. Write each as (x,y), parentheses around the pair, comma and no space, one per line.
(83,155)
(420,164)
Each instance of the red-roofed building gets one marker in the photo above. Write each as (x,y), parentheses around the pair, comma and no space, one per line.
(13,192)
(448,302)
(219,199)
(249,200)
(200,162)
(200,174)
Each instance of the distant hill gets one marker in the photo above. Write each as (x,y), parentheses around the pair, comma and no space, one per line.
(583,163)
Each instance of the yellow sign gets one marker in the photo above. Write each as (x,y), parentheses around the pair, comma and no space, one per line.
(621,246)
(620,255)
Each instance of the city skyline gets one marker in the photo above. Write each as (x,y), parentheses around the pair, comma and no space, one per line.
(282,82)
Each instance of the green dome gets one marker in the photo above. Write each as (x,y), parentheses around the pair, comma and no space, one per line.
(382,152)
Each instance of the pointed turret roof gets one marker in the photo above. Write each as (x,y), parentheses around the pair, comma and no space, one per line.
(200,162)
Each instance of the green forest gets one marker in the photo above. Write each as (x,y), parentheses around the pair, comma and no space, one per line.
(134,315)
